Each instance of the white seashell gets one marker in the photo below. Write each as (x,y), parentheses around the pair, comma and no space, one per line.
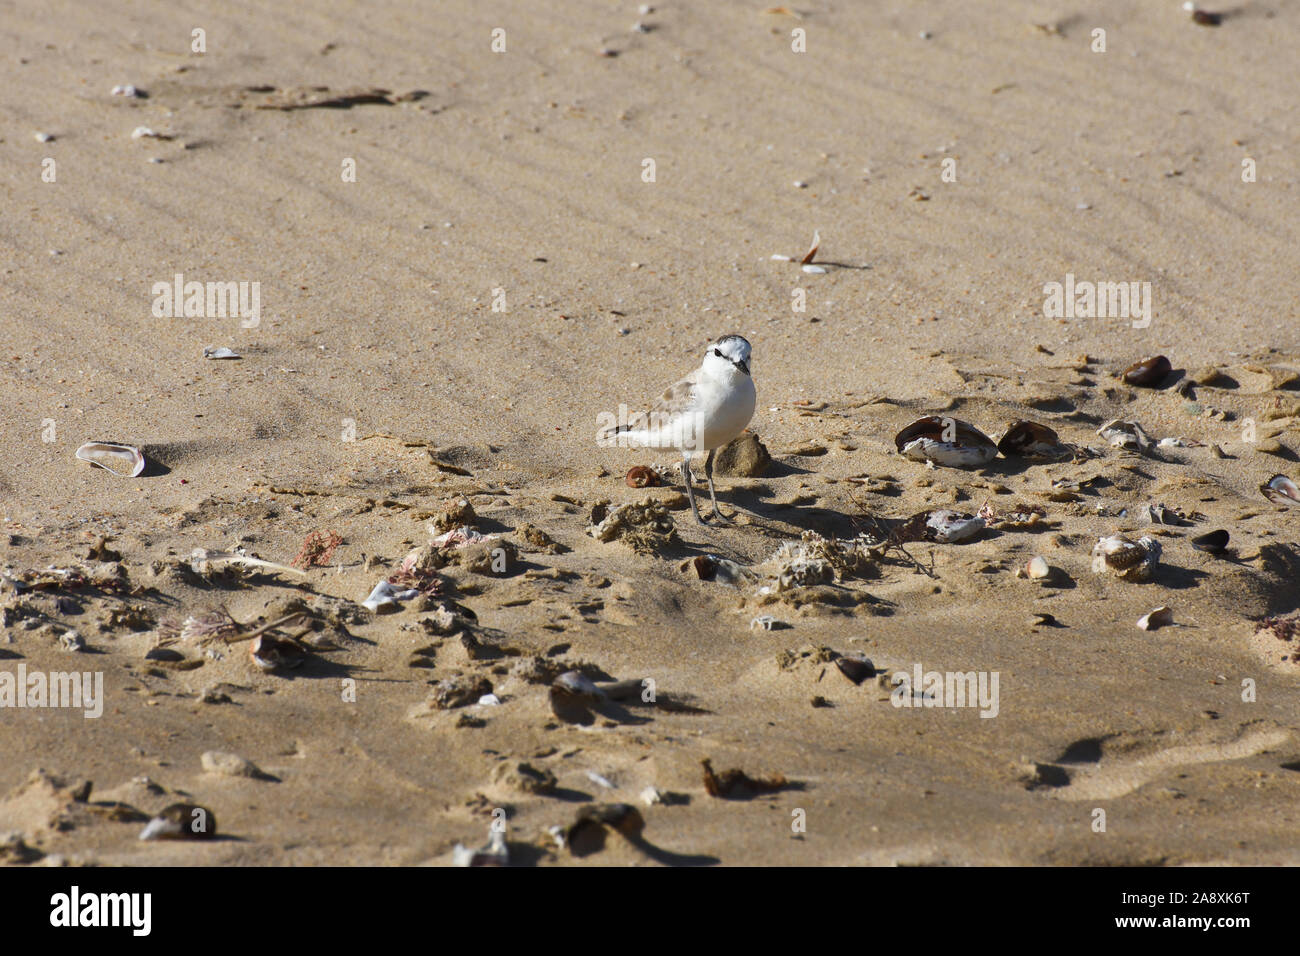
(220,352)
(953,527)
(140,132)
(124,89)
(489,700)
(777,257)
(651,795)
(44,137)
(599,781)
(766,622)
(1037,568)
(1156,619)
(126,461)
(385,597)
(71,641)
(814,270)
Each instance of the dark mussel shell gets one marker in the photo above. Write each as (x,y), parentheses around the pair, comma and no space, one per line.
(1025,437)
(1149,372)
(856,669)
(1215,542)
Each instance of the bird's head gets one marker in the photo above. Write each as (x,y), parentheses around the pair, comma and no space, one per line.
(728,354)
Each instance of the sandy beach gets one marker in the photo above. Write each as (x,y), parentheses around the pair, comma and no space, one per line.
(466,232)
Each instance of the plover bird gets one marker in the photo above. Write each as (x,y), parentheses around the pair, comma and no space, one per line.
(702,412)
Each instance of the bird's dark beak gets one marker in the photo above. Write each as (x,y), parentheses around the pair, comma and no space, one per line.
(742,365)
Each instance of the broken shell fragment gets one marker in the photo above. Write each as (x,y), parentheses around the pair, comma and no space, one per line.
(946,441)
(1129,436)
(493,853)
(643,477)
(1214,542)
(271,653)
(385,598)
(856,669)
(181,821)
(1030,440)
(812,251)
(220,352)
(1158,618)
(1281,490)
(577,686)
(1126,559)
(952,527)
(1149,372)
(586,835)
(125,461)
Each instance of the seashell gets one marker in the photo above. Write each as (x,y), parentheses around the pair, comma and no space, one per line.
(272,653)
(643,477)
(586,835)
(44,137)
(1149,372)
(577,685)
(125,461)
(1127,435)
(384,598)
(1159,514)
(492,853)
(127,90)
(946,441)
(1037,568)
(952,527)
(220,352)
(71,641)
(651,796)
(489,700)
(814,270)
(811,254)
(1156,619)
(181,821)
(1129,560)
(856,669)
(1215,542)
(1281,490)
(1030,440)
(710,567)
(766,622)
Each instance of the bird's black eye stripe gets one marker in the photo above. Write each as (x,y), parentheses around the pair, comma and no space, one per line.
(718,352)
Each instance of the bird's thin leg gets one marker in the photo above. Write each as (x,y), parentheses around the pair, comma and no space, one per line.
(708,473)
(690,492)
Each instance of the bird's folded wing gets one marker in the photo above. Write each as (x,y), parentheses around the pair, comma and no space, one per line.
(672,403)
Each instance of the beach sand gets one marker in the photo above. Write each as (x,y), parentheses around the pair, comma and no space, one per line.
(501,273)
